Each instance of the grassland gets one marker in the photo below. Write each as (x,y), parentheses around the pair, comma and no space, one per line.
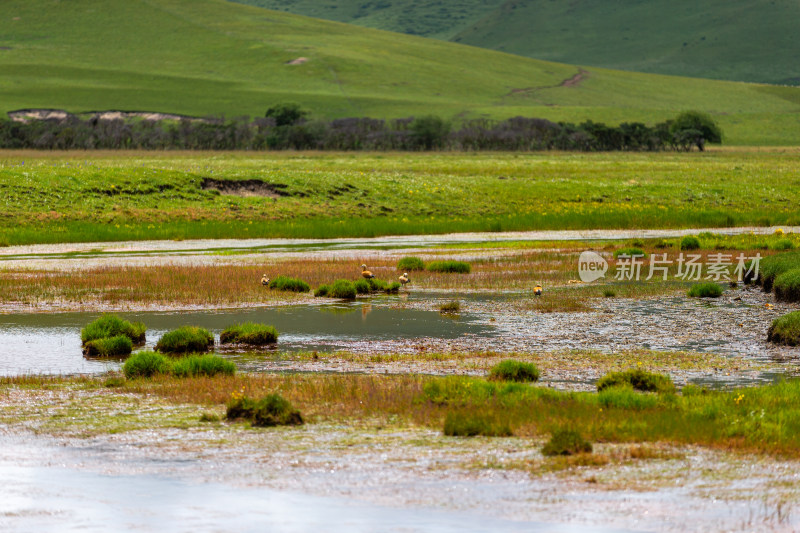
(58,197)
(210,57)
(679,38)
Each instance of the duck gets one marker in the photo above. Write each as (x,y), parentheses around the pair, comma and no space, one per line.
(404,279)
(366,273)
(264,280)
(537,290)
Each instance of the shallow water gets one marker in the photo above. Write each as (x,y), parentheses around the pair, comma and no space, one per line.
(50,343)
(44,490)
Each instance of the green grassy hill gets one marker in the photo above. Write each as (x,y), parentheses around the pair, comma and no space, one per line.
(201,57)
(742,40)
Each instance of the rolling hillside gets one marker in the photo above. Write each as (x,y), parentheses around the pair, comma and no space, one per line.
(203,57)
(742,40)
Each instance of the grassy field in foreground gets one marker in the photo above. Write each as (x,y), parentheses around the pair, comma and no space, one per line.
(69,197)
(211,57)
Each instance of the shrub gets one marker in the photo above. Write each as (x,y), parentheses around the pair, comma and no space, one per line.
(450,307)
(706,290)
(785,329)
(625,397)
(458,267)
(511,370)
(407,264)
(271,410)
(145,365)
(185,339)
(566,441)
(690,243)
(322,291)
(362,286)
(787,286)
(638,379)
(470,424)
(249,333)
(201,365)
(344,289)
(111,326)
(637,252)
(773,266)
(285,283)
(119,345)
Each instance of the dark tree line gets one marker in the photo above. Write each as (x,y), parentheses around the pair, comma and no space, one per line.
(287,128)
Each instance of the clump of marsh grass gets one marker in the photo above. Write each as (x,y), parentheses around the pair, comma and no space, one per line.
(249,333)
(609,292)
(773,266)
(787,286)
(185,339)
(271,410)
(631,251)
(566,441)
(362,286)
(471,424)
(513,370)
(343,289)
(322,291)
(457,267)
(690,243)
(637,379)
(450,308)
(108,347)
(782,245)
(409,263)
(785,329)
(285,283)
(109,325)
(706,290)
(625,397)
(146,364)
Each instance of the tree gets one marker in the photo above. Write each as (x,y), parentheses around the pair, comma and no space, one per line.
(693,128)
(286,114)
(430,132)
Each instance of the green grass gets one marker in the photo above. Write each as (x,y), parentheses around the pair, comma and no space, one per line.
(185,339)
(626,397)
(785,329)
(109,325)
(511,370)
(706,290)
(134,196)
(631,251)
(637,379)
(787,286)
(773,266)
(271,410)
(108,346)
(341,288)
(682,38)
(690,243)
(457,267)
(566,441)
(249,333)
(285,283)
(472,424)
(148,364)
(210,57)
(409,264)
(451,307)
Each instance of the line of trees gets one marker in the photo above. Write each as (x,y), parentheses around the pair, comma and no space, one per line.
(286,127)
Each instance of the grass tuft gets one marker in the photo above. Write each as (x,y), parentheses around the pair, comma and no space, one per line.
(630,252)
(201,365)
(407,264)
(471,424)
(566,441)
(451,307)
(271,410)
(106,347)
(249,333)
(690,243)
(787,286)
(185,339)
(146,364)
(457,267)
(109,325)
(343,289)
(512,370)
(638,379)
(625,397)
(285,283)
(785,329)
(706,290)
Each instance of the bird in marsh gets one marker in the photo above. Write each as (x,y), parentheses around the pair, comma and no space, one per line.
(537,290)
(366,273)
(404,279)
(264,280)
